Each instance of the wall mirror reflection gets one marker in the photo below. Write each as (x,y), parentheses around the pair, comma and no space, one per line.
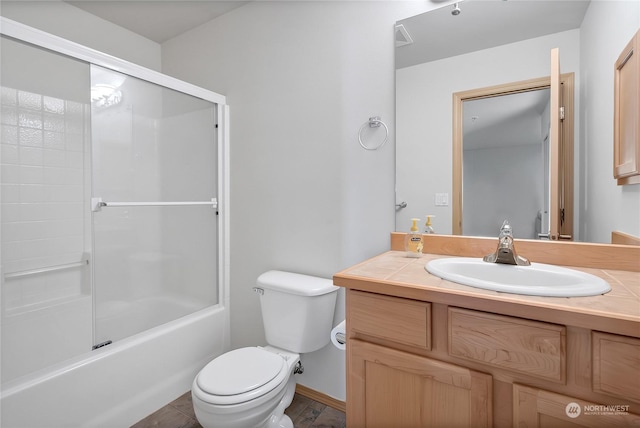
(493,44)
(505,151)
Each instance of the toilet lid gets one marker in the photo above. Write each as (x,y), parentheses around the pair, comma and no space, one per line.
(240,371)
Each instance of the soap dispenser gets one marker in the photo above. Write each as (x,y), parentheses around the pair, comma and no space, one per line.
(413,241)
(428,228)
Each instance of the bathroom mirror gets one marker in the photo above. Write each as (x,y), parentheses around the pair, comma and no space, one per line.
(492,43)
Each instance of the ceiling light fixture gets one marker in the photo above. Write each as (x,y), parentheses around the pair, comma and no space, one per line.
(456,10)
(105,95)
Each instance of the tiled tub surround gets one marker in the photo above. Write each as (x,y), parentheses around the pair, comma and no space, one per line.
(42,188)
(522,348)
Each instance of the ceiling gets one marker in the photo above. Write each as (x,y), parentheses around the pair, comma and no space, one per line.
(161,20)
(483,24)
(158,20)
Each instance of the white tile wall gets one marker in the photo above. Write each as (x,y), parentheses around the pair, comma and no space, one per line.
(42,200)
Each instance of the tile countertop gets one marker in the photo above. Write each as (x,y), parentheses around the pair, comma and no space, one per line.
(394,274)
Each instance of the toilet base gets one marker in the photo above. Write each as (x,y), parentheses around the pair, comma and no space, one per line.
(255,414)
(278,419)
(285,422)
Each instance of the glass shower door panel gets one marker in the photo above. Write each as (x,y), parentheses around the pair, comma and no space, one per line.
(46,289)
(154,169)
(152,265)
(150,143)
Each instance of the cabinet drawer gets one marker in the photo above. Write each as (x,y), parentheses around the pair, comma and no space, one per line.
(614,357)
(529,347)
(390,318)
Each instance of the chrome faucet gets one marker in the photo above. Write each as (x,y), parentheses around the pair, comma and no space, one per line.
(506,251)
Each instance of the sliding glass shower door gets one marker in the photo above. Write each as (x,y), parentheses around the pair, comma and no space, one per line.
(109,186)
(154,206)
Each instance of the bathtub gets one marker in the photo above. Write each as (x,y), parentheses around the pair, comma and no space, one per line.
(119,384)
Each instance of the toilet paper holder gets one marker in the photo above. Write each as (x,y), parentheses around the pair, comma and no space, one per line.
(339,336)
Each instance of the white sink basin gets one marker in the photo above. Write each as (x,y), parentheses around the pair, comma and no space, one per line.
(535,280)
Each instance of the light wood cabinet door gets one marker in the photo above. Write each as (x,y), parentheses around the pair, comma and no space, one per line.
(391,388)
(537,408)
(615,365)
(626,153)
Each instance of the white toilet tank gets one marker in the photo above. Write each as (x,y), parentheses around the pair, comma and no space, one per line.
(297,310)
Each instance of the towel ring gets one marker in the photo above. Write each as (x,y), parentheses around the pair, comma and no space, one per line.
(374,122)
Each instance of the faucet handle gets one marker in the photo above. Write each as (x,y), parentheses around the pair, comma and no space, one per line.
(506,251)
(506,230)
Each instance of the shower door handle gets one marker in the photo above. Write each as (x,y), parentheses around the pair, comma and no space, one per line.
(46,269)
(97,204)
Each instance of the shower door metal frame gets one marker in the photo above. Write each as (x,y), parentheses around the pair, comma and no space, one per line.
(65,47)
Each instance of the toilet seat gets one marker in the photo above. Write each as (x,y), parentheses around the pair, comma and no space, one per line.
(241,375)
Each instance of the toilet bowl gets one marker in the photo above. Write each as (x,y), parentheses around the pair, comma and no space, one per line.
(247,387)
(251,387)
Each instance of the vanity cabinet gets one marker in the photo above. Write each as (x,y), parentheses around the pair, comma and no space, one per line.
(419,363)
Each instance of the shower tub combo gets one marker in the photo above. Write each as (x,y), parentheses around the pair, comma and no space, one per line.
(114,269)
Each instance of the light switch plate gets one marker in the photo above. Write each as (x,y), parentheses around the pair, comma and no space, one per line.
(442,199)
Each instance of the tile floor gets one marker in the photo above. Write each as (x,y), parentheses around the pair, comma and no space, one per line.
(304,412)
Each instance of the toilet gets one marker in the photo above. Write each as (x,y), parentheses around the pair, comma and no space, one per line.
(251,387)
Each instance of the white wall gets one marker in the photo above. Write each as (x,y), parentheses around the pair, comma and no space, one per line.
(424,113)
(300,79)
(603,206)
(71,23)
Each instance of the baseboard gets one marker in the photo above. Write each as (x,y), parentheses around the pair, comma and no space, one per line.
(321,398)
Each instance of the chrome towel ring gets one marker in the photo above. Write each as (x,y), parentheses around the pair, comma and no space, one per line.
(374,122)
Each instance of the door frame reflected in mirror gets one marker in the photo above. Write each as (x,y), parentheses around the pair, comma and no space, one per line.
(564,172)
